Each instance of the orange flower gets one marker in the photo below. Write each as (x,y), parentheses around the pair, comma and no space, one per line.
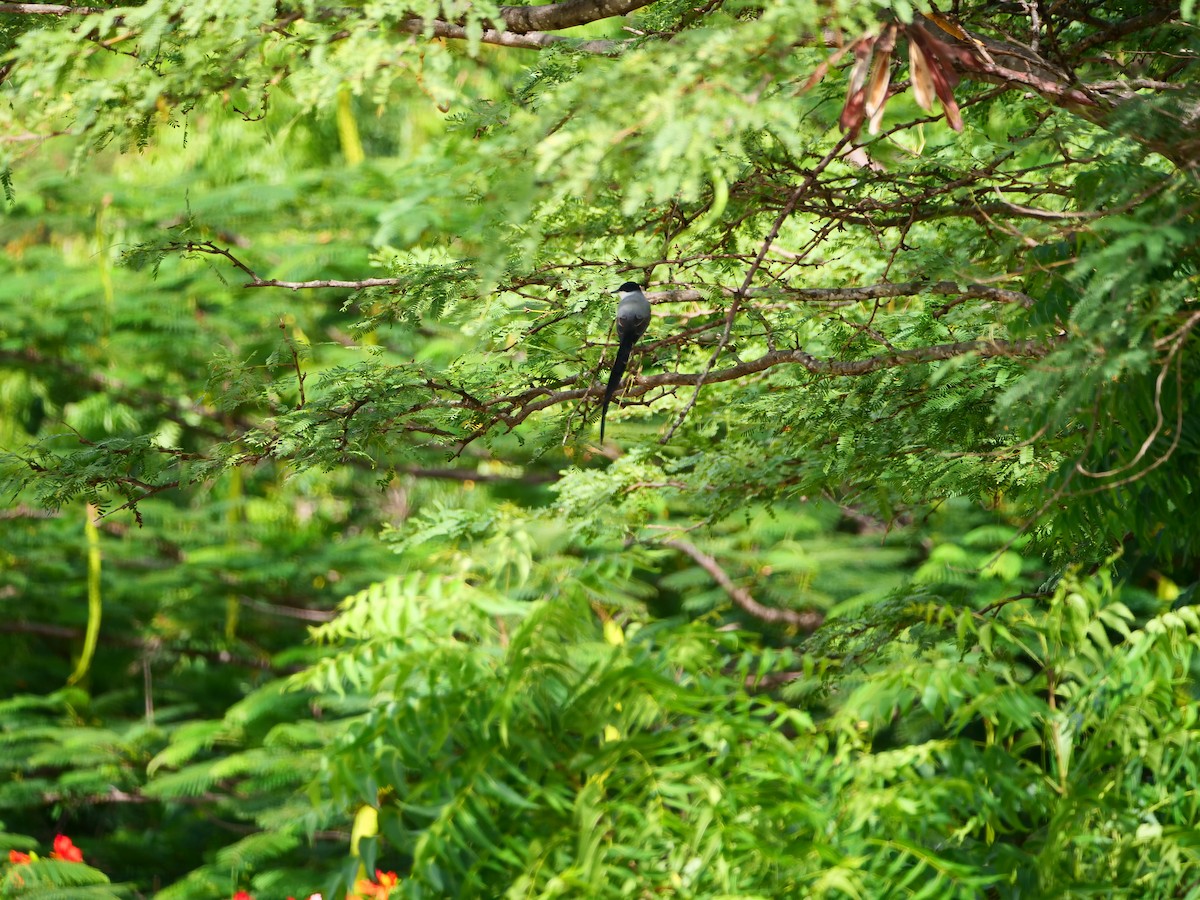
(387,880)
(19,858)
(380,889)
(66,850)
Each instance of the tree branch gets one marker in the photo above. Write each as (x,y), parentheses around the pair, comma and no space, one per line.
(1124,29)
(568,14)
(985,349)
(174,410)
(114,795)
(477,477)
(810,295)
(740,293)
(518,19)
(805,621)
(329,283)
(525,27)
(153,645)
(858,294)
(528,40)
(1001,62)
(514,409)
(49,9)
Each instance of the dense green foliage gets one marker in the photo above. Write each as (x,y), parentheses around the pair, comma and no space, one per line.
(311,562)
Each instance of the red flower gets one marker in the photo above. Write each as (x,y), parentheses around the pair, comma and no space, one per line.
(242,895)
(66,850)
(16,856)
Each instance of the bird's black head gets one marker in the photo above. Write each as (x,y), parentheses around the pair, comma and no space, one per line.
(629,286)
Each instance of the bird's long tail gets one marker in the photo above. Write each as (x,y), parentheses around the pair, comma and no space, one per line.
(614,379)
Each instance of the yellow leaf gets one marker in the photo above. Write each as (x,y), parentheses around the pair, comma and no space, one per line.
(613,633)
(366,824)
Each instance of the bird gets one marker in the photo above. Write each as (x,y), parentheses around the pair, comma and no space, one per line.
(633,315)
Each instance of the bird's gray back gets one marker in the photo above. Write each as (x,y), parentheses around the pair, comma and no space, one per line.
(633,311)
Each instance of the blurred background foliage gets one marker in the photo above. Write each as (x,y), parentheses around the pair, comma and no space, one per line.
(299,582)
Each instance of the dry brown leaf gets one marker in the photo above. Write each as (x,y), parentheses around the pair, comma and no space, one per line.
(875,110)
(863,51)
(948,26)
(941,74)
(877,90)
(822,69)
(918,71)
(956,30)
(945,93)
(853,112)
(881,78)
(937,52)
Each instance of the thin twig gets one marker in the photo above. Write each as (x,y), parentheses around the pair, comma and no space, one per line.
(993,607)
(154,645)
(300,376)
(1181,336)
(1167,454)
(787,210)
(515,408)
(805,621)
(862,294)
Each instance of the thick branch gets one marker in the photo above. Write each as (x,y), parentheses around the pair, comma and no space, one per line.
(527,40)
(568,14)
(524,27)
(519,19)
(986,59)
(1125,28)
(865,366)
(514,409)
(329,283)
(805,621)
(478,477)
(48,9)
(860,294)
